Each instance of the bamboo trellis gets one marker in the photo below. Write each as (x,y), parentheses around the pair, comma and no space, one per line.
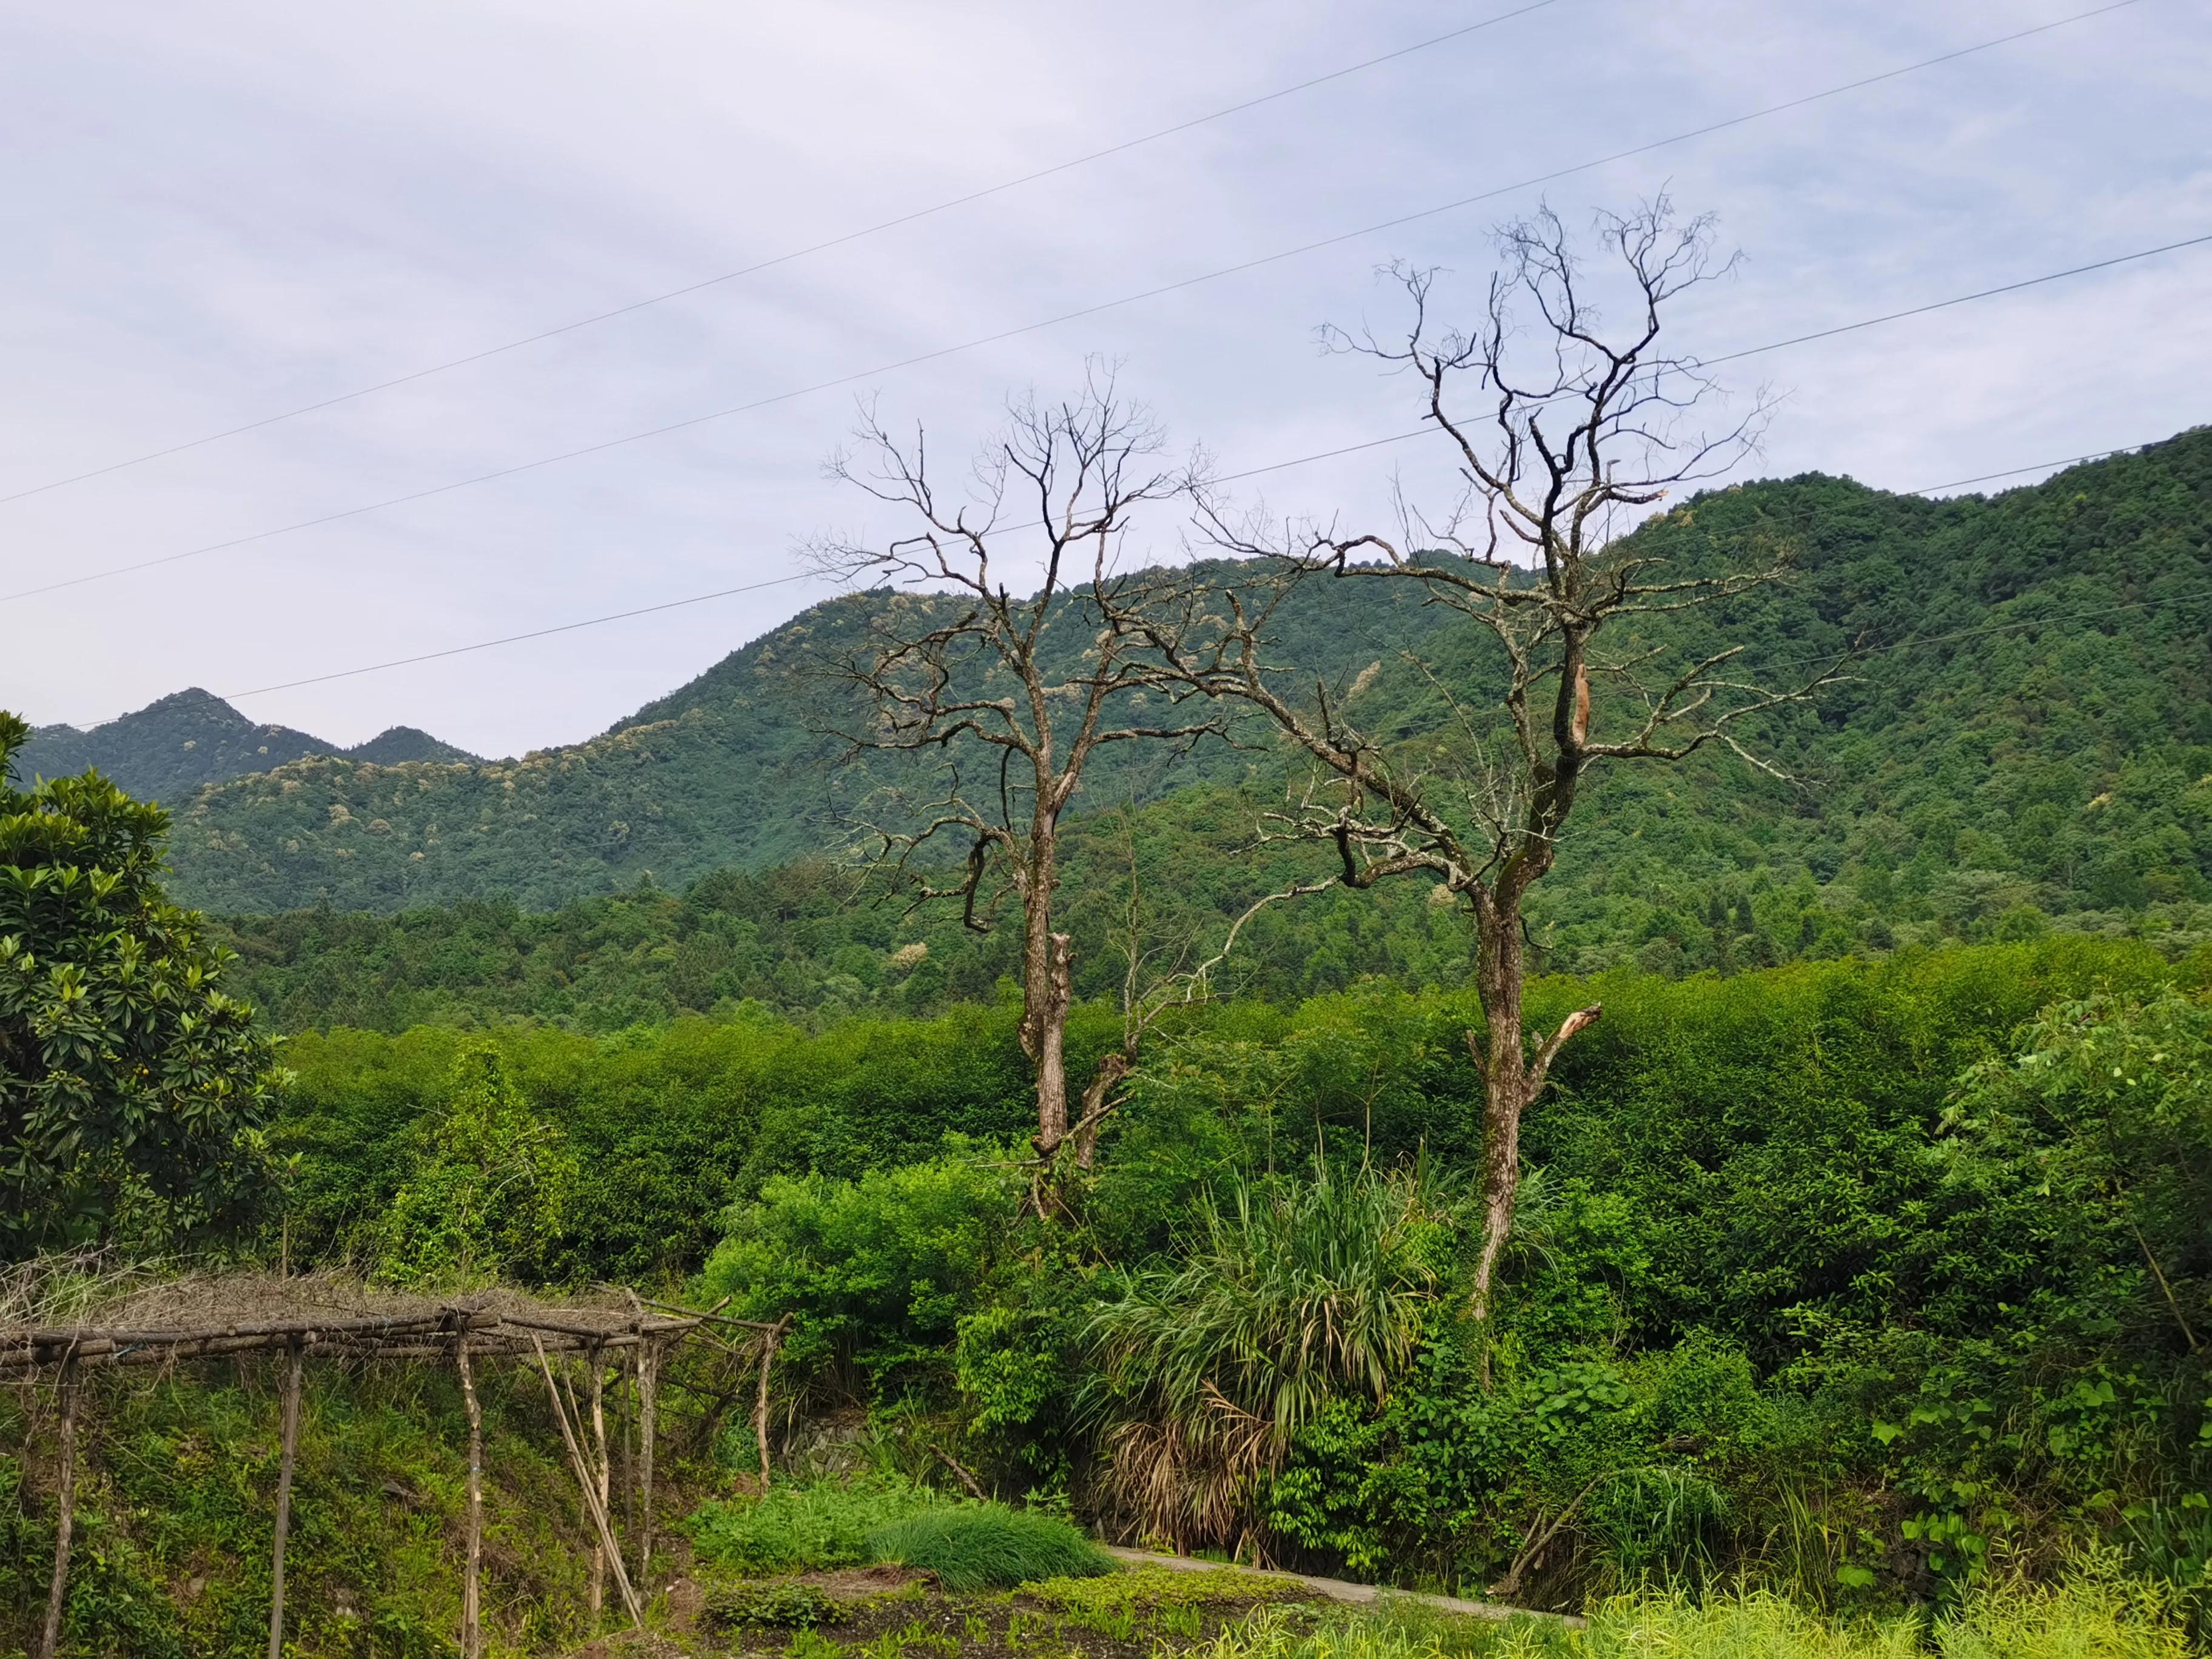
(323,1318)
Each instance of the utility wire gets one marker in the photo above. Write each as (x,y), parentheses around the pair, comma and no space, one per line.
(1274,466)
(848,237)
(1749,351)
(1110,305)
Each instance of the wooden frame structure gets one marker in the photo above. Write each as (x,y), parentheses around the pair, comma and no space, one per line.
(326,1318)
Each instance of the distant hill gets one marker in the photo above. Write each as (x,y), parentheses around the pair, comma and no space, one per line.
(167,750)
(2044,758)
(731,769)
(395,744)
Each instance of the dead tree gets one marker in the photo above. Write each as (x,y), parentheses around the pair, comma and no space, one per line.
(1012,663)
(1562,429)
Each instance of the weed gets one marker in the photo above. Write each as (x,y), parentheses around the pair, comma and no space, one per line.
(1163,1587)
(802,1527)
(778,1604)
(971,1546)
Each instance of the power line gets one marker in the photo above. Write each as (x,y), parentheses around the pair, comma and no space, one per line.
(2015,471)
(1105,305)
(843,241)
(1749,351)
(1272,466)
(1942,305)
(516,639)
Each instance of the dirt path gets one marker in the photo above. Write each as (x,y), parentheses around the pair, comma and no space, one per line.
(1342,1589)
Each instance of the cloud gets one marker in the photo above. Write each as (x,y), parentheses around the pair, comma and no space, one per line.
(251,206)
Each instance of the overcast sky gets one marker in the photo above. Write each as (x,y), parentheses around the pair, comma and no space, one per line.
(218,212)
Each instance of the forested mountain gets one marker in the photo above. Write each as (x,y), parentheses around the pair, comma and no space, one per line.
(167,750)
(736,768)
(2038,754)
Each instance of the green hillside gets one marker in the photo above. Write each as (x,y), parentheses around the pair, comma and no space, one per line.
(175,744)
(730,770)
(2051,768)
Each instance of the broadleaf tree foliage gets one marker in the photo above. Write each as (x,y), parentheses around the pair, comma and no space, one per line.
(133,1089)
(1562,425)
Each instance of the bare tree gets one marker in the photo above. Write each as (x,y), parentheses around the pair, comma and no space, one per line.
(1015,695)
(1561,430)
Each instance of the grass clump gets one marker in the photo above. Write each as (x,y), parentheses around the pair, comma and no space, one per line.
(777,1604)
(1141,1588)
(972,1546)
(803,1529)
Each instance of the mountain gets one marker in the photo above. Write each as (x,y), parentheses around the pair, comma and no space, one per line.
(167,750)
(2040,747)
(732,769)
(395,744)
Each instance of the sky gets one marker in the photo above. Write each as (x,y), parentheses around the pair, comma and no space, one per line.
(224,212)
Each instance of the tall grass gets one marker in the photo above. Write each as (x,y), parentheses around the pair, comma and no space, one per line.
(802,1527)
(972,1546)
(1294,1291)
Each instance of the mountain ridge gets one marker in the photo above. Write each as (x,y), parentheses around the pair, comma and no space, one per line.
(181,743)
(2062,762)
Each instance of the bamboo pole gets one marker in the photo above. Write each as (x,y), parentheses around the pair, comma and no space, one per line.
(648,1407)
(471,1587)
(291,1446)
(770,1343)
(65,1506)
(590,1499)
(626,1414)
(599,1552)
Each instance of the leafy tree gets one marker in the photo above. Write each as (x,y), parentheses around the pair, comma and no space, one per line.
(491,1188)
(2106,1111)
(133,1091)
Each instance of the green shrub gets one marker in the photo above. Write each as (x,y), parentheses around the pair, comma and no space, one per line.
(802,1529)
(777,1605)
(972,1546)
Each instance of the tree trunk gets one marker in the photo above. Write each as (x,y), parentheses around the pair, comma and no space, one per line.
(1510,1082)
(1503,1066)
(1048,984)
(1111,1070)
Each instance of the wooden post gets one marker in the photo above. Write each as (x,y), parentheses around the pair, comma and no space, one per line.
(599,1515)
(290,1447)
(598,1596)
(771,1340)
(626,1414)
(65,1504)
(471,1587)
(648,1403)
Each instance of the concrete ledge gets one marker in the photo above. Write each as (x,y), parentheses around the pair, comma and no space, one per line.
(1342,1589)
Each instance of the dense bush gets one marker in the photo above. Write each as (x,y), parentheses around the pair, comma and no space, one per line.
(133,1088)
(1853,1276)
